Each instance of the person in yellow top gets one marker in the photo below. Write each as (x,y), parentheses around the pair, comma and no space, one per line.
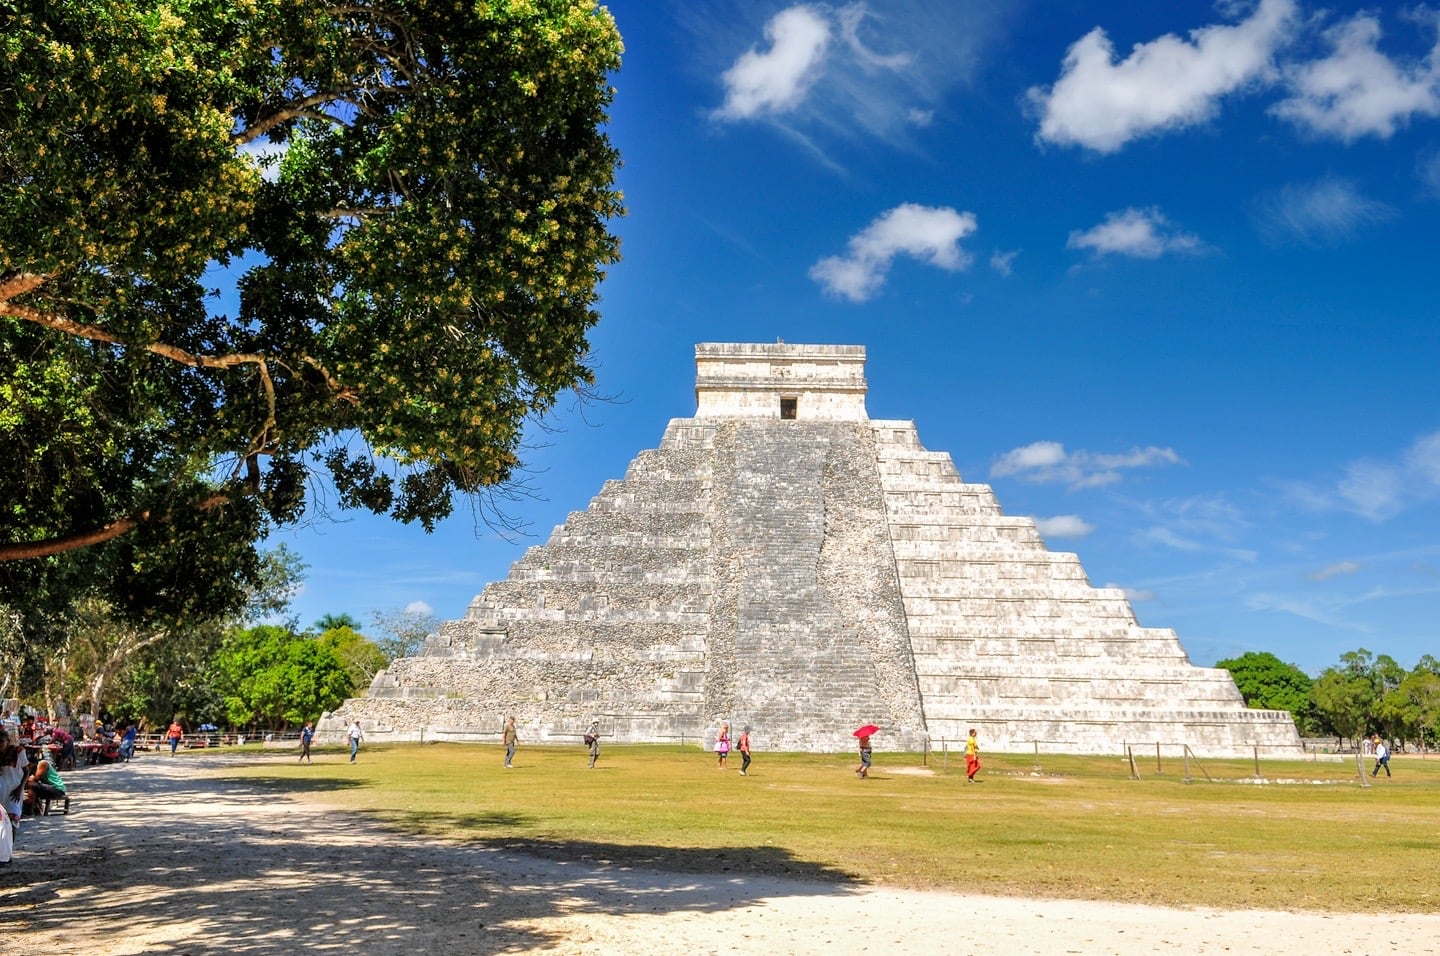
(972,757)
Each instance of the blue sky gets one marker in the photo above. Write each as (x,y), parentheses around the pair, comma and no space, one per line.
(1164,275)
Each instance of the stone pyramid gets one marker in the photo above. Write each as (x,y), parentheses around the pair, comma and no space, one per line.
(782,561)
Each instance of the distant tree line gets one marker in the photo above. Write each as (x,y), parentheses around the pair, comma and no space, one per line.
(256,670)
(1362,694)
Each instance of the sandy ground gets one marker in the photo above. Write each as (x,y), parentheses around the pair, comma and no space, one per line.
(156,859)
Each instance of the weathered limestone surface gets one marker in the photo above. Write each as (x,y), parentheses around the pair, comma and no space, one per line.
(803,577)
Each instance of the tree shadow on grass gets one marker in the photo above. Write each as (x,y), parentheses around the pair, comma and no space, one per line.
(168,861)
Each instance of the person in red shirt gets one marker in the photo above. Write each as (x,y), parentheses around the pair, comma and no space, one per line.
(175,734)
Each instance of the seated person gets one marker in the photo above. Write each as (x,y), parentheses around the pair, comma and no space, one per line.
(45,784)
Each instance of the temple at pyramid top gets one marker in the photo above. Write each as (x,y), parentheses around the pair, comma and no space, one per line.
(782,561)
(794,382)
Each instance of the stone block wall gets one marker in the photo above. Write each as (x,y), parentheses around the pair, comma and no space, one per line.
(803,577)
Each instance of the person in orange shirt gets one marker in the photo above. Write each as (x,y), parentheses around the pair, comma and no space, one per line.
(175,734)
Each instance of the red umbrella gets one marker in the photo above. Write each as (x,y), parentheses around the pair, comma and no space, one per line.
(867,731)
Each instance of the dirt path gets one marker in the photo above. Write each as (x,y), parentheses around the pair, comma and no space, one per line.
(158,859)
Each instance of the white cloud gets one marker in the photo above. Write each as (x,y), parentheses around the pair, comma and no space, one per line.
(419,608)
(1357,90)
(1064,526)
(1001,261)
(777,79)
(1143,233)
(1136,595)
(1317,213)
(1379,489)
(827,72)
(1168,83)
(1047,461)
(1334,571)
(927,233)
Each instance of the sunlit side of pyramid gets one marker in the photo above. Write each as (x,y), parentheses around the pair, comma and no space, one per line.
(781,561)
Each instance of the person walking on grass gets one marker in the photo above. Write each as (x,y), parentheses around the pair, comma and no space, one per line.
(972,757)
(355,736)
(1382,756)
(307,734)
(511,739)
(743,745)
(592,741)
(722,744)
(863,770)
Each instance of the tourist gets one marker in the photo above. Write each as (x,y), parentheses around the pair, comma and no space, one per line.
(511,739)
(743,745)
(13,764)
(355,735)
(307,734)
(45,784)
(127,742)
(1382,756)
(175,734)
(863,770)
(722,745)
(592,741)
(66,757)
(972,757)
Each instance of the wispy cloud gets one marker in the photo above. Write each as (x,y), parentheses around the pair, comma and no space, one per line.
(1142,233)
(1427,168)
(1166,84)
(1357,90)
(1064,526)
(847,71)
(1339,569)
(926,233)
(1049,462)
(1002,262)
(776,80)
(1200,524)
(1378,489)
(1307,608)
(419,607)
(1318,213)
(1136,595)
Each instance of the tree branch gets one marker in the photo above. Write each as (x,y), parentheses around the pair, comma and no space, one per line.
(21,550)
(298,109)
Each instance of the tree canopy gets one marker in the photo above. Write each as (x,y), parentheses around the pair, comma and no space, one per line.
(243,242)
(1268,683)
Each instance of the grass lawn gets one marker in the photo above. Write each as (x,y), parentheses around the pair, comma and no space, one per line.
(1310,838)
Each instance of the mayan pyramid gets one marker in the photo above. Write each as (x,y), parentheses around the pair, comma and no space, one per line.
(782,561)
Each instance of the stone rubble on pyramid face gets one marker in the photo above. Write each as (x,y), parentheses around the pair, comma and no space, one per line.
(783,562)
